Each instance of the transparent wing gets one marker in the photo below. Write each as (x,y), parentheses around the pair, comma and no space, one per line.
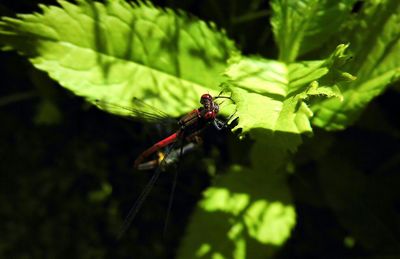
(146,191)
(137,109)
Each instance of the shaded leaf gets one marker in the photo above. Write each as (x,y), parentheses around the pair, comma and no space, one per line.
(47,113)
(375,45)
(297,24)
(364,205)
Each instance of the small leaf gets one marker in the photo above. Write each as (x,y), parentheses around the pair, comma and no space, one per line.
(47,113)
(101,194)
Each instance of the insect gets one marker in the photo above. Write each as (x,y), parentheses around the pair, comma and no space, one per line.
(166,159)
(189,128)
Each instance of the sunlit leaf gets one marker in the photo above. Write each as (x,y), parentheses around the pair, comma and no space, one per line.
(271,95)
(117,51)
(249,214)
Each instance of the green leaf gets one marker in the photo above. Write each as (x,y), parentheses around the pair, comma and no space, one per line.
(101,194)
(375,45)
(117,51)
(271,95)
(249,210)
(47,114)
(297,24)
(248,214)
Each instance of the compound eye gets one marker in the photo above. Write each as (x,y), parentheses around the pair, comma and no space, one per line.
(205,97)
(209,115)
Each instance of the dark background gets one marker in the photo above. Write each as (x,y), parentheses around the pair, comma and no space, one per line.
(60,159)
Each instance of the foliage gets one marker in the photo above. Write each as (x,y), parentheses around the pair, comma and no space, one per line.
(117,51)
(375,63)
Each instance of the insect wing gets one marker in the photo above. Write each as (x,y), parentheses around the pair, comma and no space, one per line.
(137,109)
(142,197)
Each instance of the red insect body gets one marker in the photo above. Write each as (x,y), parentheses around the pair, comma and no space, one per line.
(190,126)
(161,144)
